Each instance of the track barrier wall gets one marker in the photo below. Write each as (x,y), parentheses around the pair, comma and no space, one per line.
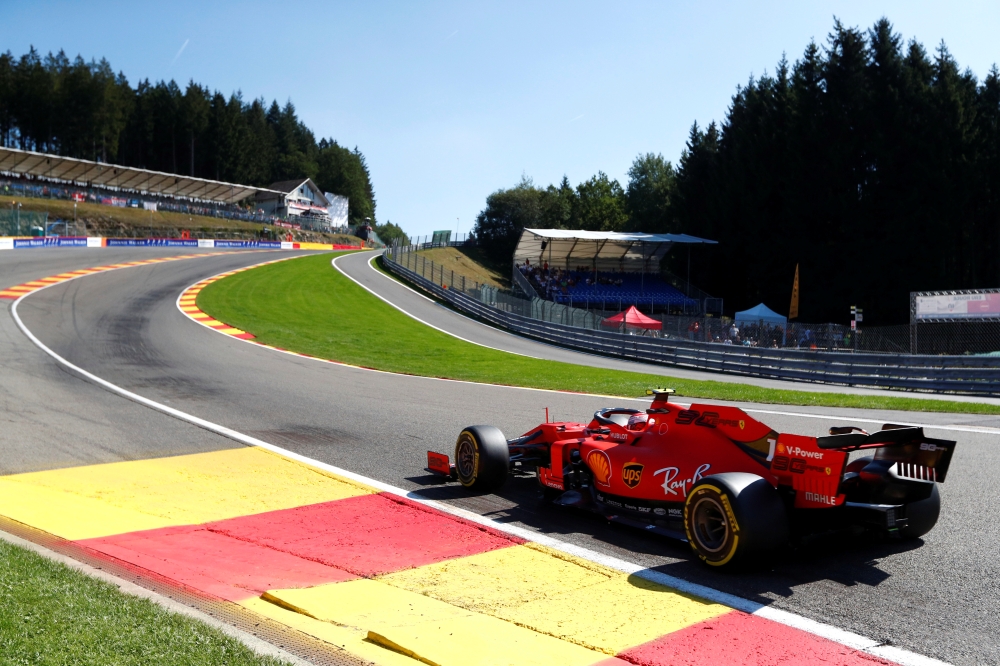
(976,375)
(16,243)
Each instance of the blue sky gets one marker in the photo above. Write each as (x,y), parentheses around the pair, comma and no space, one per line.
(450,101)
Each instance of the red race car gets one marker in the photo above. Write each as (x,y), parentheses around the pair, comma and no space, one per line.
(726,483)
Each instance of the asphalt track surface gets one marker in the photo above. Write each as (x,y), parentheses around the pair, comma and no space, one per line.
(936,597)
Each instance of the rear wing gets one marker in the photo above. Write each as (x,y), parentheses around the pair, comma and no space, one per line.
(916,453)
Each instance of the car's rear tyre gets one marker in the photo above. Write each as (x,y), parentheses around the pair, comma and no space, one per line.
(482,458)
(734,519)
(921,516)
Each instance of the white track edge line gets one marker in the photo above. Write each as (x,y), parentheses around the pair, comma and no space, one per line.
(399,283)
(842,636)
(955,428)
(425,323)
(976,429)
(884,392)
(260,345)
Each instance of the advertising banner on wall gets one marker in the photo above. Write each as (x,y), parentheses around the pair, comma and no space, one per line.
(152,242)
(957,305)
(275,245)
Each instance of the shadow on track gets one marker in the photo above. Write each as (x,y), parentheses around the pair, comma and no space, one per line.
(843,560)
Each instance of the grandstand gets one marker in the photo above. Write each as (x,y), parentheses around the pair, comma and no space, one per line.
(584,287)
(26,173)
(605,270)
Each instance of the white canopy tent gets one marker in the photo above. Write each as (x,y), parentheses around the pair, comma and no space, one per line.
(606,251)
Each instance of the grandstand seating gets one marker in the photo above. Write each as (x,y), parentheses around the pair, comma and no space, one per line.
(634,288)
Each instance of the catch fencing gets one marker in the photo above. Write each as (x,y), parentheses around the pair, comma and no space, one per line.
(16,222)
(582,329)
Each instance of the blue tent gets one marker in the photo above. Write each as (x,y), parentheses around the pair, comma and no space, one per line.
(761,313)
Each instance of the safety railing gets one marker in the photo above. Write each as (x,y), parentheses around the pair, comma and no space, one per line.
(959,374)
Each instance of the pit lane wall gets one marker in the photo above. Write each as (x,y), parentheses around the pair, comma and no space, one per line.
(27,242)
(974,375)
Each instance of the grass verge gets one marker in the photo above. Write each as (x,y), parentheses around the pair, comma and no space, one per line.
(51,614)
(307,306)
(470,262)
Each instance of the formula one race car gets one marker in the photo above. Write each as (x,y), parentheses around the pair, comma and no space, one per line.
(713,476)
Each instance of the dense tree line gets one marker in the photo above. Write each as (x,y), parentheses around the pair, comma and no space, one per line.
(83,109)
(597,204)
(389,233)
(869,162)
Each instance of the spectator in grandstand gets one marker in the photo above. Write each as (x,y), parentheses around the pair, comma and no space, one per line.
(693,329)
(734,333)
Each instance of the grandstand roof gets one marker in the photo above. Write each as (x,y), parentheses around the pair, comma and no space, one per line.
(98,174)
(607,250)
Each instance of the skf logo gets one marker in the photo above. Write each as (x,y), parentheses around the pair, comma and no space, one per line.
(743,424)
(632,474)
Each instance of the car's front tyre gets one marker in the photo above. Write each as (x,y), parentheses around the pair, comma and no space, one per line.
(482,458)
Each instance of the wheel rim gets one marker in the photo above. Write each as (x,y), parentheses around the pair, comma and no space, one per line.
(709,524)
(466,458)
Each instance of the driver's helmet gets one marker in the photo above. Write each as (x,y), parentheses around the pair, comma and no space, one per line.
(637,421)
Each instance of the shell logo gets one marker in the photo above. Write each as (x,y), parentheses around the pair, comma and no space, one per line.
(781,448)
(600,465)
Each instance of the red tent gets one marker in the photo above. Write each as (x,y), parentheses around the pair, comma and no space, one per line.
(632,317)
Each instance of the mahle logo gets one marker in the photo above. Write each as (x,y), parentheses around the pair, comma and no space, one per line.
(632,474)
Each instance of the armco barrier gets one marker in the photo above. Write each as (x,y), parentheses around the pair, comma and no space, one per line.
(979,375)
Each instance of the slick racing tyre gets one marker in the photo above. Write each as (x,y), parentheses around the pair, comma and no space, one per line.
(921,516)
(734,519)
(482,458)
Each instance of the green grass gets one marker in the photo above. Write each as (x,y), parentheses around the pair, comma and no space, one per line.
(307,306)
(51,614)
(468,262)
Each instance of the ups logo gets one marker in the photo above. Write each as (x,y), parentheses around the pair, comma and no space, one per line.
(632,474)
